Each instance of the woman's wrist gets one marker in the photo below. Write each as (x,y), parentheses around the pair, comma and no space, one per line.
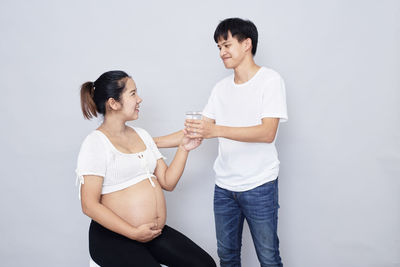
(133,233)
(182,147)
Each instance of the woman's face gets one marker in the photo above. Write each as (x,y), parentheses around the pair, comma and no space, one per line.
(130,100)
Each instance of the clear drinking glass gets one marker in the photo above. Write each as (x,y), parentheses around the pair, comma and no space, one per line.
(193,115)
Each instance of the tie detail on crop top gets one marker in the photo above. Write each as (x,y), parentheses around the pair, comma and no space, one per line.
(99,157)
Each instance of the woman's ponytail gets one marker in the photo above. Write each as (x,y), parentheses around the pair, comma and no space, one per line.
(87,103)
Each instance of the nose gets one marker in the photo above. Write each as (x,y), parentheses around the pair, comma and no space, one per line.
(222,52)
(139,100)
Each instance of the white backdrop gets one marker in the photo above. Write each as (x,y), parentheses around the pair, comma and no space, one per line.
(340,150)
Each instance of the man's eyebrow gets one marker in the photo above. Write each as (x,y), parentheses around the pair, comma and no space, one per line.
(224,42)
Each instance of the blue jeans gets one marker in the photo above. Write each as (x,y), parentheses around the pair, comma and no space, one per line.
(259,206)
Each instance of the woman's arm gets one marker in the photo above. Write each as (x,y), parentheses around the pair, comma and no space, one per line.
(168,176)
(92,207)
(171,140)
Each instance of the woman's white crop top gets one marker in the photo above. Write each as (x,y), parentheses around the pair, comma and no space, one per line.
(98,156)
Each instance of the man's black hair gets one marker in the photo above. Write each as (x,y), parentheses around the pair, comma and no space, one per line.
(240,29)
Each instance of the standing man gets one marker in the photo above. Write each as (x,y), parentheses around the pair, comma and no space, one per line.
(243,111)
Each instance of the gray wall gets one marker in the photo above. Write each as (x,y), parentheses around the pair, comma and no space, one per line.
(340,150)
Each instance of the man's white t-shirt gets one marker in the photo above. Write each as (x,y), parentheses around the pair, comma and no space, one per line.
(241,166)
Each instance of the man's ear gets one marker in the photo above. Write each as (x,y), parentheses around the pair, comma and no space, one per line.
(247,44)
(113,104)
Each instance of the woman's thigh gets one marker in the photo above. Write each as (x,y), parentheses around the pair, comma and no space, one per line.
(109,249)
(174,249)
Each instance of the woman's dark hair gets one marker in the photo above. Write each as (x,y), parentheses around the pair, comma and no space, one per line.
(94,95)
(240,29)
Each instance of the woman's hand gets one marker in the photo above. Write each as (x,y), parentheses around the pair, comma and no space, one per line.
(190,143)
(146,232)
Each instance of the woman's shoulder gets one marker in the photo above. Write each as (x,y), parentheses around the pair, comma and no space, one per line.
(94,138)
(139,130)
(145,135)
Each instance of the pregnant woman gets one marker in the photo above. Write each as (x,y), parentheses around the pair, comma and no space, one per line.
(121,178)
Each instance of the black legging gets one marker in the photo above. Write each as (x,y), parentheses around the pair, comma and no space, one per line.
(109,249)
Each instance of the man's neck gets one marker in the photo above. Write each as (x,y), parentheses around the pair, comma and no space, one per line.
(245,71)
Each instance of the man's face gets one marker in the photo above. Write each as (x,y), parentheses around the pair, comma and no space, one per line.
(232,52)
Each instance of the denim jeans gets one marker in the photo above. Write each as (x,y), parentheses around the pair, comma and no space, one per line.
(259,206)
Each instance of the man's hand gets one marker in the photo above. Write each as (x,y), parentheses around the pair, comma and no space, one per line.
(200,128)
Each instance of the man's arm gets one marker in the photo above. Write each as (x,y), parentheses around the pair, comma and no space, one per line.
(171,140)
(206,128)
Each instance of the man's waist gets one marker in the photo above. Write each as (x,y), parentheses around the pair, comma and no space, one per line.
(241,184)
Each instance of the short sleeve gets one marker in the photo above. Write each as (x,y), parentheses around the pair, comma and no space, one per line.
(91,159)
(274,99)
(209,109)
(155,150)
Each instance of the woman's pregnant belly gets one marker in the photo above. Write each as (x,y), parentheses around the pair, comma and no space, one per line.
(138,204)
